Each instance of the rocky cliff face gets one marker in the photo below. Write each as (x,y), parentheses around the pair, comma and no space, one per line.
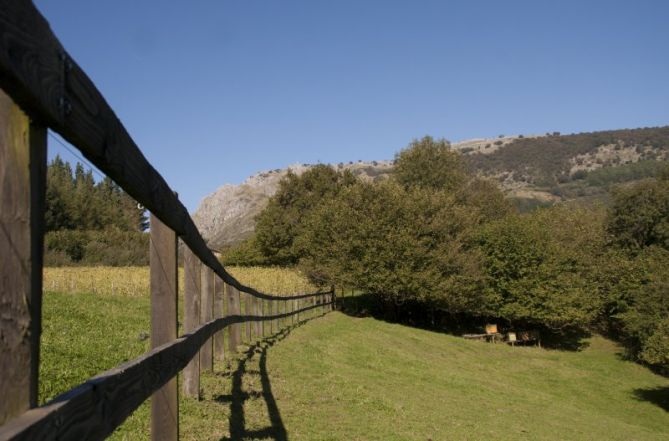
(227,216)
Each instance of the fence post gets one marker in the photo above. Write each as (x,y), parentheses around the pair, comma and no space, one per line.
(256,311)
(219,341)
(273,309)
(233,309)
(262,314)
(23,177)
(248,308)
(296,306)
(191,387)
(164,300)
(207,315)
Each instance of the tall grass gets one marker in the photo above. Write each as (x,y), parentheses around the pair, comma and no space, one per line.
(134,281)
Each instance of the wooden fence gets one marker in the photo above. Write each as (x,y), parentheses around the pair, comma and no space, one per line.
(42,88)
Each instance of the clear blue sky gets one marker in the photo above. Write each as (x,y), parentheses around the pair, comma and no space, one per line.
(214,91)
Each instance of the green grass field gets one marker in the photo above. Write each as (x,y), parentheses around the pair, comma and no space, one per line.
(342,378)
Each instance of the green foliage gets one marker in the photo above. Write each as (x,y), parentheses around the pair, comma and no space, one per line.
(282,220)
(656,347)
(623,173)
(402,244)
(75,202)
(640,214)
(429,163)
(245,253)
(110,247)
(526,205)
(539,267)
(89,223)
(541,160)
(646,308)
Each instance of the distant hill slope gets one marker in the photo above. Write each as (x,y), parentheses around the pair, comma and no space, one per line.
(381,381)
(534,170)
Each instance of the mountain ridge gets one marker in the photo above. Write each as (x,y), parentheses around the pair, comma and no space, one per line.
(541,169)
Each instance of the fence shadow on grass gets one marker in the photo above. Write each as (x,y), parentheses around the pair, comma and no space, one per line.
(238,430)
(656,395)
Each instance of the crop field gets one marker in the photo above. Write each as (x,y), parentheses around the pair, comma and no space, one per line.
(134,281)
(339,378)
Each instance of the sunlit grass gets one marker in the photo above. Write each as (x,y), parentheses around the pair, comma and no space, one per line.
(134,281)
(341,378)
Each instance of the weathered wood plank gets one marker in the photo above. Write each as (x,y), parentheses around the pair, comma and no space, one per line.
(257,311)
(43,79)
(92,410)
(234,338)
(164,300)
(207,315)
(248,310)
(191,376)
(22,187)
(219,302)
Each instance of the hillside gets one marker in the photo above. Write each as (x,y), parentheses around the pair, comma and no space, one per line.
(532,170)
(339,378)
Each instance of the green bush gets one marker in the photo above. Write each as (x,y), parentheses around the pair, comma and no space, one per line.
(110,247)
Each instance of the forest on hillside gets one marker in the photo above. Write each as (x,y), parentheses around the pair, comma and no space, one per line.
(545,161)
(89,223)
(437,246)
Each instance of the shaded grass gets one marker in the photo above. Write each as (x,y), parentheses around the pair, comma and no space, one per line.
(341,378)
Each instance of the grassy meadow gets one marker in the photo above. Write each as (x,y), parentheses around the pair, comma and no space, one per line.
(344,378)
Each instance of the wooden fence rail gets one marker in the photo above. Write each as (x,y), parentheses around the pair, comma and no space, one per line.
(94,409)
(42,87)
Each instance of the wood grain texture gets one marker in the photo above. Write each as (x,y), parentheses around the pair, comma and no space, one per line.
(257,311)
(234,337)
(207,315)
(219,311)
(92,410)
(191,376)
(22,187)
(248,310)
(164,302)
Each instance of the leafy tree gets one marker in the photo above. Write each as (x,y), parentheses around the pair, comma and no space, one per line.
(89,222)
(282,220)
(429,163)
(539,267)
(639,215)
(646,309)
(401,244)
(245,253)
(75,202)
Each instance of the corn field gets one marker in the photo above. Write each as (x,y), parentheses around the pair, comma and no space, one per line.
(134,281)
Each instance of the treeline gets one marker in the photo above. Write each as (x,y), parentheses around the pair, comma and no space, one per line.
(91,223)
(437,243)
(545,161)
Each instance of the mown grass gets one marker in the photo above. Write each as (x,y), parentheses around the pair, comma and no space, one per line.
(341,378)
(366,379)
